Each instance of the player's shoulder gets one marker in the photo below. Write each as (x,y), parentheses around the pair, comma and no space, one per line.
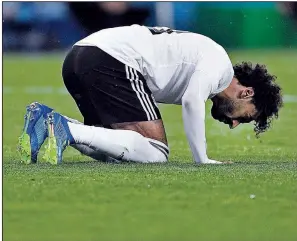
(215,54)
(126,29)
(214,48)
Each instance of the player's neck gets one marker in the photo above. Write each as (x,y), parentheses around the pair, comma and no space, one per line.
(232,90)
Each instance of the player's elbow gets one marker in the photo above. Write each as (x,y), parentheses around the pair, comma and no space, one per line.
(188,101)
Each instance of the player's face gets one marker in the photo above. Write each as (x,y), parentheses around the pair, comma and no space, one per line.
(232,111)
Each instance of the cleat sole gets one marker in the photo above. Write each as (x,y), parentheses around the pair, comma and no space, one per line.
(24,147)
(50,154)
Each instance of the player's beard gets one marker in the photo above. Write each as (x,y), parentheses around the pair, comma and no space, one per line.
(222,107)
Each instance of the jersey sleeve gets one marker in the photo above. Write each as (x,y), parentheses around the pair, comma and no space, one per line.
(202,84)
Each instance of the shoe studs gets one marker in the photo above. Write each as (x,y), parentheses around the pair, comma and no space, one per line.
(50,118)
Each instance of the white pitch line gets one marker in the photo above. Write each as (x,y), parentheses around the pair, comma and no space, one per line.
(44,90)
(290,98)
(49,90)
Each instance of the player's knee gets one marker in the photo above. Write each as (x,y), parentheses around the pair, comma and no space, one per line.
(159,150)
(145,150)
(160,158)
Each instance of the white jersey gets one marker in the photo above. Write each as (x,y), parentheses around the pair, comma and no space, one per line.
(179,68)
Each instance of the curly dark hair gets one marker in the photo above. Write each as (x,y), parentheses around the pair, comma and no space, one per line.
(267,94)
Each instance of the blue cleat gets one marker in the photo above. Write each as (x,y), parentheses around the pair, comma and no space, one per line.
(59,138)
(34,132)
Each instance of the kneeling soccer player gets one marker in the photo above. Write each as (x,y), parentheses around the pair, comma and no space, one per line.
(117,75)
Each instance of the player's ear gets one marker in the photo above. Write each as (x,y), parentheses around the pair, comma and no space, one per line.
(246,93)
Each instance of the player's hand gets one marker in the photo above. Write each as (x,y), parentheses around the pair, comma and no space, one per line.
(210,161)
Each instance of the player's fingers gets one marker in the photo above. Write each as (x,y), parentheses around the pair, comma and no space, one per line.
(210,161)
(227,162)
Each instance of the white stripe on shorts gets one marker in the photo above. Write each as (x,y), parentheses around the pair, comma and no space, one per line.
(133,87)
(145,96)
(136,83)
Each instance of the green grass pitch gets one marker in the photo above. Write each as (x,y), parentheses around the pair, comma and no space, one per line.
(86,200)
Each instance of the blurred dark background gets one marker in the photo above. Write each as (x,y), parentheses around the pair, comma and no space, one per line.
(54,26)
